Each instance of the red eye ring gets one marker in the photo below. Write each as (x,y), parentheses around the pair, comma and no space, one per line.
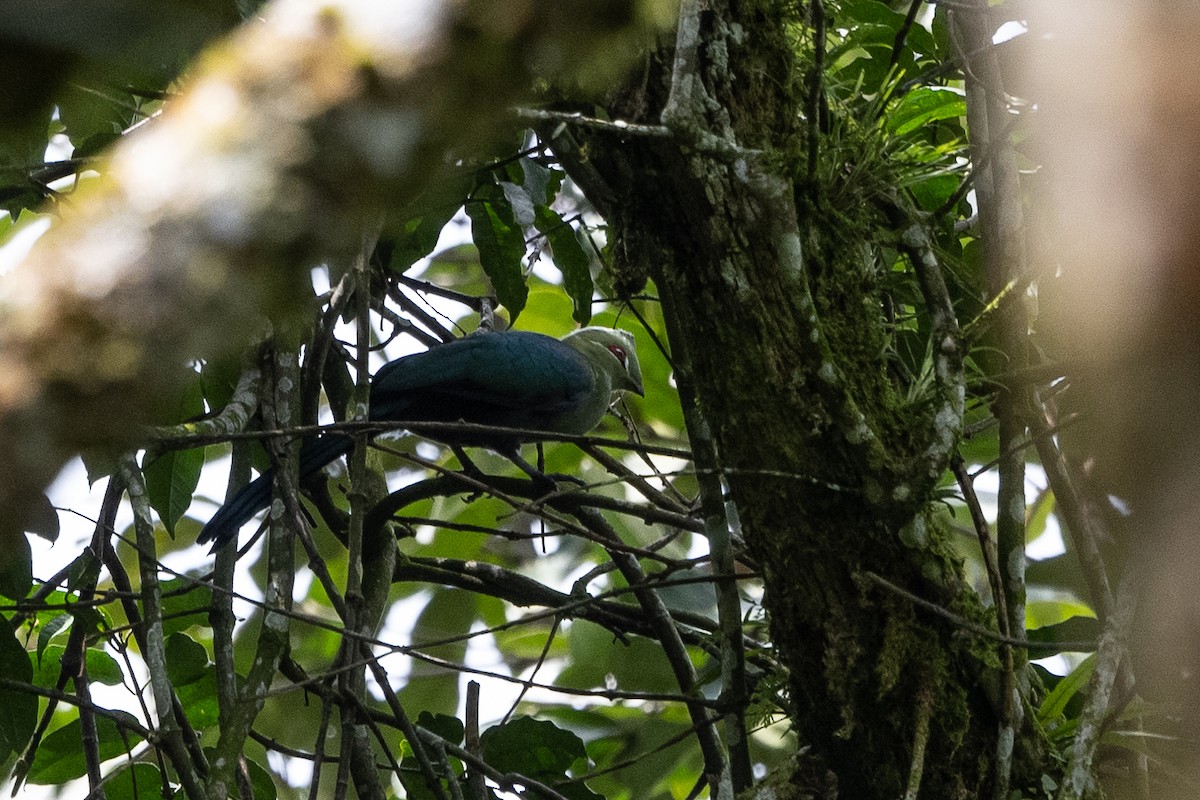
(619,352)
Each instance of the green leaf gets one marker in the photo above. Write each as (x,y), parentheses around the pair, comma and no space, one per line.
(501,245)
(637,665)
(418,237)
(86,113)
(1053,707)
(572,261)
(50,629)
(60,757)
(187,660)
(171,481)
(542,183)
(101,667)
(95,144)
(520,201)
(84,571)
(536,748)
(43,520)
(924,105)
(261,784)
(218,379)
(185,604)
(172,478)
(19,708)
(448,614)
(199,701)
(448,727)
(1075,629)
(135,782)
(932,192)
(16,568)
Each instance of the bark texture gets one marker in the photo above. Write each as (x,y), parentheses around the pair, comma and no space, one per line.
(774,309)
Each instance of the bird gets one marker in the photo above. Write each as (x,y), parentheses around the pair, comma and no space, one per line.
(511,379)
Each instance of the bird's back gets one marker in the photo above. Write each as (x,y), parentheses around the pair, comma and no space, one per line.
(515,379)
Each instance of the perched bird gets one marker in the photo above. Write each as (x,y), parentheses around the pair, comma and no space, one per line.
(513,379)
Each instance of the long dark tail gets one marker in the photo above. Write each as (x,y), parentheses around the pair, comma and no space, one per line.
(256,495)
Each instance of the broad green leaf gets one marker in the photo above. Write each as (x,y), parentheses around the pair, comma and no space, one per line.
(101,667)
(187,660)
(932,192)
(1037,515)
(418,238)
(134,782)
(60,757)
(541,182)
(924,105)
(501,245)
(446,726)
(637,665)
(185,604)
(261,782)
(449,728)
(1040,613)
(87,113)
(572,261)
(19,708)
(84,571)
(199,701)
(218,378)
(51,628)
(537,748)
(16,568)
(171,479)
(447,616)
(520,202)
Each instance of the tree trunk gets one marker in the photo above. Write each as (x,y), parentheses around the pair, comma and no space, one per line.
(776,321)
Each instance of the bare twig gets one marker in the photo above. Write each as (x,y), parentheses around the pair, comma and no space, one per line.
(1078,780)
(609,126)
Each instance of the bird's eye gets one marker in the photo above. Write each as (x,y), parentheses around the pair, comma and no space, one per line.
(619,352)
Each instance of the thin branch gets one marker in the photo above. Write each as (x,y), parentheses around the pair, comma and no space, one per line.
(813,100)
(274,634)
(476,780)
(946,338)
(1085,525)
(902,35)
(608,126)
(1079,778)
(155,651)
(406,725)
(987,544)
(970,626)
(716,766)
(506,781)
(997,186)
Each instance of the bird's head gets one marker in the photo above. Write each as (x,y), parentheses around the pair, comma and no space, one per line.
(614,352)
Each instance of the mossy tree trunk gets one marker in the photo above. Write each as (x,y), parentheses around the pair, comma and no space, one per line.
(777,319)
